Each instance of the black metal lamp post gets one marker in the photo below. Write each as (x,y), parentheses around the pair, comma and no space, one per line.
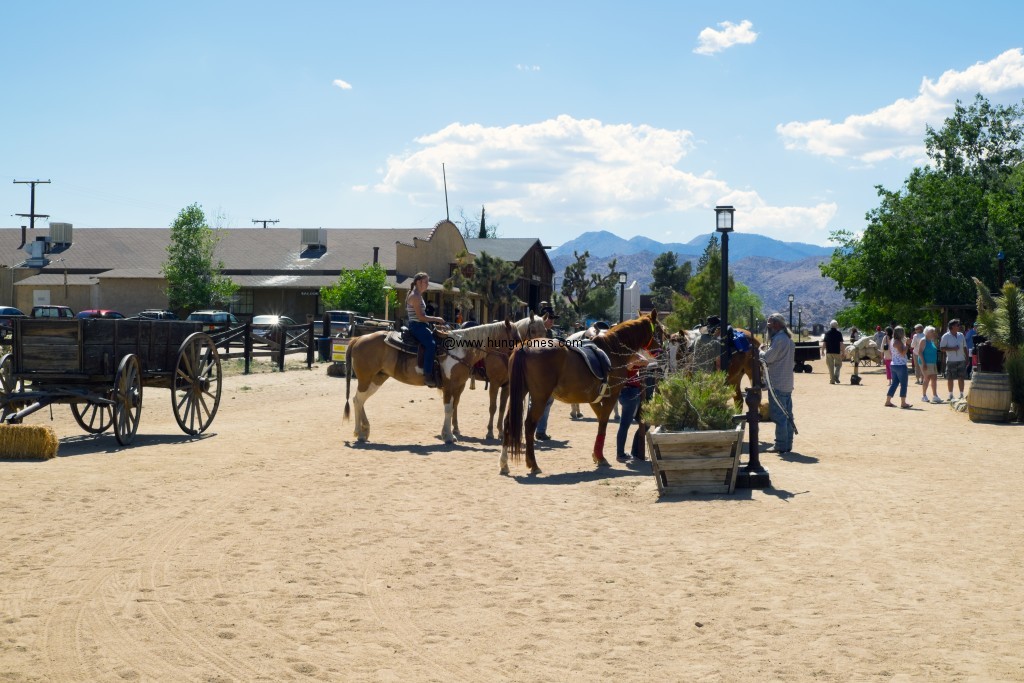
(791,297)
(622,296)
(724,225)
(800,323)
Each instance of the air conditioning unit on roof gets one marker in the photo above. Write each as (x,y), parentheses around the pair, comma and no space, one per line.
(60,233)
(313,238)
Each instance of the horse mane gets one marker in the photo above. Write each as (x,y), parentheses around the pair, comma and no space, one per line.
(524,326)
(480,333)
(629,334)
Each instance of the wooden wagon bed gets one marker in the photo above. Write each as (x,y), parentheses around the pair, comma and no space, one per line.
(100,366)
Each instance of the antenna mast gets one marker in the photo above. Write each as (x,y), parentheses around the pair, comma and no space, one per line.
(445,177)
(32,215)
(264,221)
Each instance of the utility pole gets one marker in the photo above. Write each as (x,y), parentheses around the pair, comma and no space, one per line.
(264,222)
(32,215)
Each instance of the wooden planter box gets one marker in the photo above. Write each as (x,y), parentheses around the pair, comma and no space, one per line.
(695,462)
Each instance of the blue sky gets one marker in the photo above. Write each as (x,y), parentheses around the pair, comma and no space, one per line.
(560,117)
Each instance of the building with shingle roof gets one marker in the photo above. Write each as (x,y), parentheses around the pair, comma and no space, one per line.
(277,269)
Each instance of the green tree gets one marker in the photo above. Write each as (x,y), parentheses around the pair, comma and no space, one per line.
(704,295)
(668,272)
(472,228)
(493,279)
(924,242)
(194,279)
(460,279)
(578,285)
(362,291)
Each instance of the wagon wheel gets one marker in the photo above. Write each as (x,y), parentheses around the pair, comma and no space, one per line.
(8,386)
(127,399)
(195,393)
(94,418)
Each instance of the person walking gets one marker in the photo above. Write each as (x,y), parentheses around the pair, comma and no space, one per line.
(900,351)
(969,336)
(928,352)
(954,345)
(779,357)
(833,341)
(887,353)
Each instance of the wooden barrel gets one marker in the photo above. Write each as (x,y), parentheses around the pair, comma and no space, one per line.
(989,397)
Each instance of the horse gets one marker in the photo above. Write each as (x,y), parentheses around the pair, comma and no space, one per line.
(373,361)
(495,369)
(541,369)
(741,364)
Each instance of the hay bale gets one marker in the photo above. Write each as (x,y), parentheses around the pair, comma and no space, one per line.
(27,442)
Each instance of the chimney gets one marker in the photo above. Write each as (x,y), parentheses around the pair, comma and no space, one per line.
(376,251)
(23,228)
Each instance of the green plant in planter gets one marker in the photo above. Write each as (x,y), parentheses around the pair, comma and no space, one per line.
(1001,320)
(697,401)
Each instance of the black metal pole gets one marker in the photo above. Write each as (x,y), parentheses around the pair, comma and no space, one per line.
(724,313)
(622,300)
(800,324)
(790,314)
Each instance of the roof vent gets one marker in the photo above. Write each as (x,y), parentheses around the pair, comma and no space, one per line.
(313,238)
(60,233)
(37,253)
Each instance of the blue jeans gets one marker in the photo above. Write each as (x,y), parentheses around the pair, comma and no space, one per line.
(629,401)
(542,423)
(425,336)
(778,402)
(899,377)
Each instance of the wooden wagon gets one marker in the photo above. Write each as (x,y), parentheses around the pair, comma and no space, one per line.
(100,367)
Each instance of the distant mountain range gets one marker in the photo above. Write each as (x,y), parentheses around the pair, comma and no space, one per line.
(772,269)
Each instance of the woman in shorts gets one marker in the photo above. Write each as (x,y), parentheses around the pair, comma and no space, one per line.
(928,352)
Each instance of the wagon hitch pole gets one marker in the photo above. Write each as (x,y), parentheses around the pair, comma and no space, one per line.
(753,475)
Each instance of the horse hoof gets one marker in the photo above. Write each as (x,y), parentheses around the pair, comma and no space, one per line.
(503,471)
(603,463)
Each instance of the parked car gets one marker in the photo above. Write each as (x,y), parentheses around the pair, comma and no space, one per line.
(52,312)
(7,316)
(265,328)
(341,322)
(213,320)
(98,313)
(156,314)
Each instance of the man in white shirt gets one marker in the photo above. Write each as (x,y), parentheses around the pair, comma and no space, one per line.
(954,345)
(918,335)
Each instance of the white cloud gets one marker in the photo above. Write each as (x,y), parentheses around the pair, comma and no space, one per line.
(711,41)
(896,131)
(580,172)
(344,85)
(527,67)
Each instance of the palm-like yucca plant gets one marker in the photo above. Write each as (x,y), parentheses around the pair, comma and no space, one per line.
(1001,320)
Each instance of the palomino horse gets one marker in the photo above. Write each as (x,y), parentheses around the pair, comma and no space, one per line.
(373,361)
(496,371)
(543,369)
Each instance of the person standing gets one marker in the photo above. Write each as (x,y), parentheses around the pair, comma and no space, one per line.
(887,353)
(418,323)
(833,351)
(954,345)
(779,357)
(900,350)
(969,336)
(879,336)
(629,401)
(912,358)
(542,423)
(928,352)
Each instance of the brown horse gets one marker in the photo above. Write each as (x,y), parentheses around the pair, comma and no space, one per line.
(742,364)
(373,361)
(541,369)
(496,371)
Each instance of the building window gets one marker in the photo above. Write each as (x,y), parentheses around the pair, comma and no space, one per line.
(242,305)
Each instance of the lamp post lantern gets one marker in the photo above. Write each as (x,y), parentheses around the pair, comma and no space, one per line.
(622,296)
(791,297)
(724,226)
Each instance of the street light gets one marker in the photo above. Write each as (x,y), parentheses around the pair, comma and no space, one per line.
(724,225)
(791,297)
(800,323)
(622,296)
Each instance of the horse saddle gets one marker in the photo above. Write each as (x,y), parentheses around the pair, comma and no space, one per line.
(403,340)
(595,358)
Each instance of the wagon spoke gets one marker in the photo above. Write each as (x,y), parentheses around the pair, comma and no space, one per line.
(197,384)
(127,407)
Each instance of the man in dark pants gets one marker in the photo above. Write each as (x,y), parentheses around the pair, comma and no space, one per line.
(833,352)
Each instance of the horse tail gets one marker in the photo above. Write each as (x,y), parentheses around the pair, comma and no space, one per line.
(348,381)
(513,439)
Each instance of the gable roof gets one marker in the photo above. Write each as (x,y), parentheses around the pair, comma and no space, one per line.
(249,249)
(511,249)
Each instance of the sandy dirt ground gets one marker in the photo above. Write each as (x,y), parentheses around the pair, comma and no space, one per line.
(888,548)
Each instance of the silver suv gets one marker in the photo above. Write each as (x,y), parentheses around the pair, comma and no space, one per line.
(213,320)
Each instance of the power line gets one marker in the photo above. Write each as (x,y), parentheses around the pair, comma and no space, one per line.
(264,221)
(32,215)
